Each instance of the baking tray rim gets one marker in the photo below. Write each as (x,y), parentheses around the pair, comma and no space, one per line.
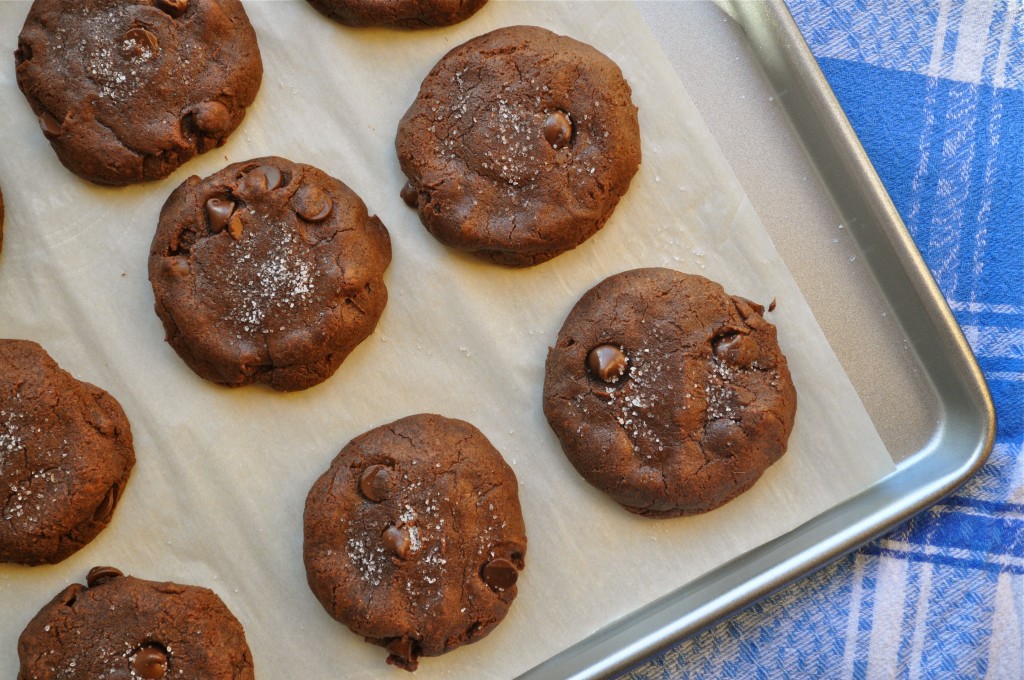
(960,444)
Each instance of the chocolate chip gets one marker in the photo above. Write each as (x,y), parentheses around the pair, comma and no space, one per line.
(724,438)
(499,574)
(219,211)
(50,125)
(558,129)
(771,305)
(373,483)
(150,662)
(177,265)
(316,206)
(724,342)
(410,195)
(396,542)
(212,117)
(173,7)
(143,39)
(98,575)
(272,177)
(735,348)
(607,363)
(106,506)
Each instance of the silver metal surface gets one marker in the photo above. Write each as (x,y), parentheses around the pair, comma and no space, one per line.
(782,130)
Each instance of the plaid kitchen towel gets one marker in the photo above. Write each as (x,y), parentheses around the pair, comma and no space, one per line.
(935,91)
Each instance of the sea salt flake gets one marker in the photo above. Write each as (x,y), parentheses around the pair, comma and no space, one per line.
(283,279)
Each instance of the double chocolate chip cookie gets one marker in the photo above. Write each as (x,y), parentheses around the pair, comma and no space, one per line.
(128,90)
(667,393)
(268,271)
(519,145)
(398,13)
(414,537)
(121,628)
(65,457)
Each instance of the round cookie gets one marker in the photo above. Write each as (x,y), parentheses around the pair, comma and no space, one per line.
(119,627)
(267,271)
(414,537)
(519,145)
(65,457)
(128,90)
(398,13)
(667,393)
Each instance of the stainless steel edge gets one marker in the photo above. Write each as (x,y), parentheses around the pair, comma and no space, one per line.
(867,210)
(964,429)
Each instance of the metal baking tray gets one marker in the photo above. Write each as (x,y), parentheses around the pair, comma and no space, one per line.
(771,110)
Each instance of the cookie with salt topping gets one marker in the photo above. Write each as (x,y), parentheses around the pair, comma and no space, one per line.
(667,393)
(267,271)
(414,537)
(65,457)
(128,90)
(122,627)
(398,13)
(519,145)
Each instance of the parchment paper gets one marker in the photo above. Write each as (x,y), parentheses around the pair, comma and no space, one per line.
(217,495)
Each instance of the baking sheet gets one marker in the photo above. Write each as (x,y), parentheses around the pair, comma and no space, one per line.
(724,66)
(217,495)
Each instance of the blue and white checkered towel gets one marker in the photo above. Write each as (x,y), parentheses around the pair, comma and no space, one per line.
(935,91)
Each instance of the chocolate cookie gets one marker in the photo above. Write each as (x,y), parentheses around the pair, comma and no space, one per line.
(399,13)
(667,393)
(267,271)
(65,457)
(119,627)
(519,145)
(414,537)
(128,90)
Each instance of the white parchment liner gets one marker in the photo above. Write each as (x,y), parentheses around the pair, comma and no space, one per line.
(217,495)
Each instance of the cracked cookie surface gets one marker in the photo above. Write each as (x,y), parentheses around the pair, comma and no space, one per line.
(121,627)
(398,13)
(414,537)
(667,393)
(65,457)
(268,271)
(519,145)
(128,91)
